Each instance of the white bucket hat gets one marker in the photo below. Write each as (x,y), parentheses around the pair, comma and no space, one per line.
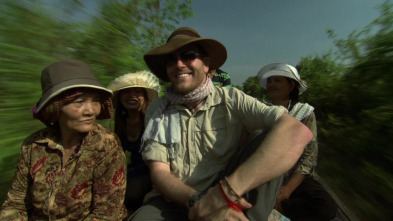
(280,69)
(143,79)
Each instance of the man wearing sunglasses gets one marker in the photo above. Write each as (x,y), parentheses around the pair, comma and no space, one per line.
(191,140)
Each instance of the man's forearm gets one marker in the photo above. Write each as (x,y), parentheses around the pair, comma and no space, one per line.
(279,151)
(168,185)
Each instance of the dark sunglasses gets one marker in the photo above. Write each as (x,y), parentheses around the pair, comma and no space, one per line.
(185,56)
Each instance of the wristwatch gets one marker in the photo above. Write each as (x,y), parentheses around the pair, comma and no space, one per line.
(194,197)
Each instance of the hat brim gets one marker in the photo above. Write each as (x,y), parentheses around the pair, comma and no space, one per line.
(66,85)
(156,57)
(263,78)
(151,94)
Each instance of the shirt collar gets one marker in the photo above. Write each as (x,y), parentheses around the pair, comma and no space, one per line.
(213,99)
(51,137)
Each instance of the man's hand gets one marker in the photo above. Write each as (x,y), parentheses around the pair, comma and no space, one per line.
(213,206)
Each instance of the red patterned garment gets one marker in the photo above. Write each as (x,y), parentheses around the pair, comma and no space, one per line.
(90,186)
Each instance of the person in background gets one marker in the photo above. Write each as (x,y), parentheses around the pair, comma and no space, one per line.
(301,197)
(220,78)
(190,141)
(132,93)
(74,169)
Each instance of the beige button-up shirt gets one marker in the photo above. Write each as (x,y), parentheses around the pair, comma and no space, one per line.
(210,136)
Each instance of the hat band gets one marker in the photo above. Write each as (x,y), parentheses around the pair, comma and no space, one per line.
(183,32)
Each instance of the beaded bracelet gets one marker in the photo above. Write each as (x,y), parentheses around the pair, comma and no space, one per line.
(238,197)
(231,204)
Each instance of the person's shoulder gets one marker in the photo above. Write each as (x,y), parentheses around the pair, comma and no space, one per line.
(39,136)
(231,94)
(100,129)
(235,93)
(221,72)
(101,139)
(231,90)
(312,114)
(155,104)
(40,139)
(304,105)
(158,101)
(302,111)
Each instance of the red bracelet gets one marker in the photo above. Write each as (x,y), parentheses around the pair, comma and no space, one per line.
(231,204)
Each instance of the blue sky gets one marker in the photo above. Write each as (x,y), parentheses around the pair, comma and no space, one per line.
(258,32)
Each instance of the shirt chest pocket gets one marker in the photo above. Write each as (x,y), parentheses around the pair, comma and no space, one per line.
(218,134)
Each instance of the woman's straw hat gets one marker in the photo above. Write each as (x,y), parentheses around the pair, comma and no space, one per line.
(143,79)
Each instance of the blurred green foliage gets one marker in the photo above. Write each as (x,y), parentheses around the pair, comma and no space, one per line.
(251,87)
(355,116)
(352,94)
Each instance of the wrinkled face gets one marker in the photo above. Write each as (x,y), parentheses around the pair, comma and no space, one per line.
(279,87)
(79,116)
(132,98)
(186,69)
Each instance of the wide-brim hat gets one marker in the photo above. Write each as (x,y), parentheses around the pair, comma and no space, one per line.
(280,69)
(64,75)
(142,79)
(155,59)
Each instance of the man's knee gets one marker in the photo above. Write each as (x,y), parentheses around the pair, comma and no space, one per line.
(263,199)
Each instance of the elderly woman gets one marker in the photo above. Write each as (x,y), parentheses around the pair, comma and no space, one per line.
(74,169)
(300,197)
(132,93)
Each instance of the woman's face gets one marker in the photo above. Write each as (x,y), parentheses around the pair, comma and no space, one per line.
(132,98)
(80,115)
(279,87)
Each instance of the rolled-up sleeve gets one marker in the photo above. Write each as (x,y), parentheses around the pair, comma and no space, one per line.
(152,150)
(254,114)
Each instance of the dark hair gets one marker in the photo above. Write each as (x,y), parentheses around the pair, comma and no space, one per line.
(121,115)
(294,94)
(50,113)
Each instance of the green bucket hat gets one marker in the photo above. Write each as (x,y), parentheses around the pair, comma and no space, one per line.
(179,38)
(66,74)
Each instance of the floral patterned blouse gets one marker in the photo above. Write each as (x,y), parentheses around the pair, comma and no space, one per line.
(308,161)
(90,186)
